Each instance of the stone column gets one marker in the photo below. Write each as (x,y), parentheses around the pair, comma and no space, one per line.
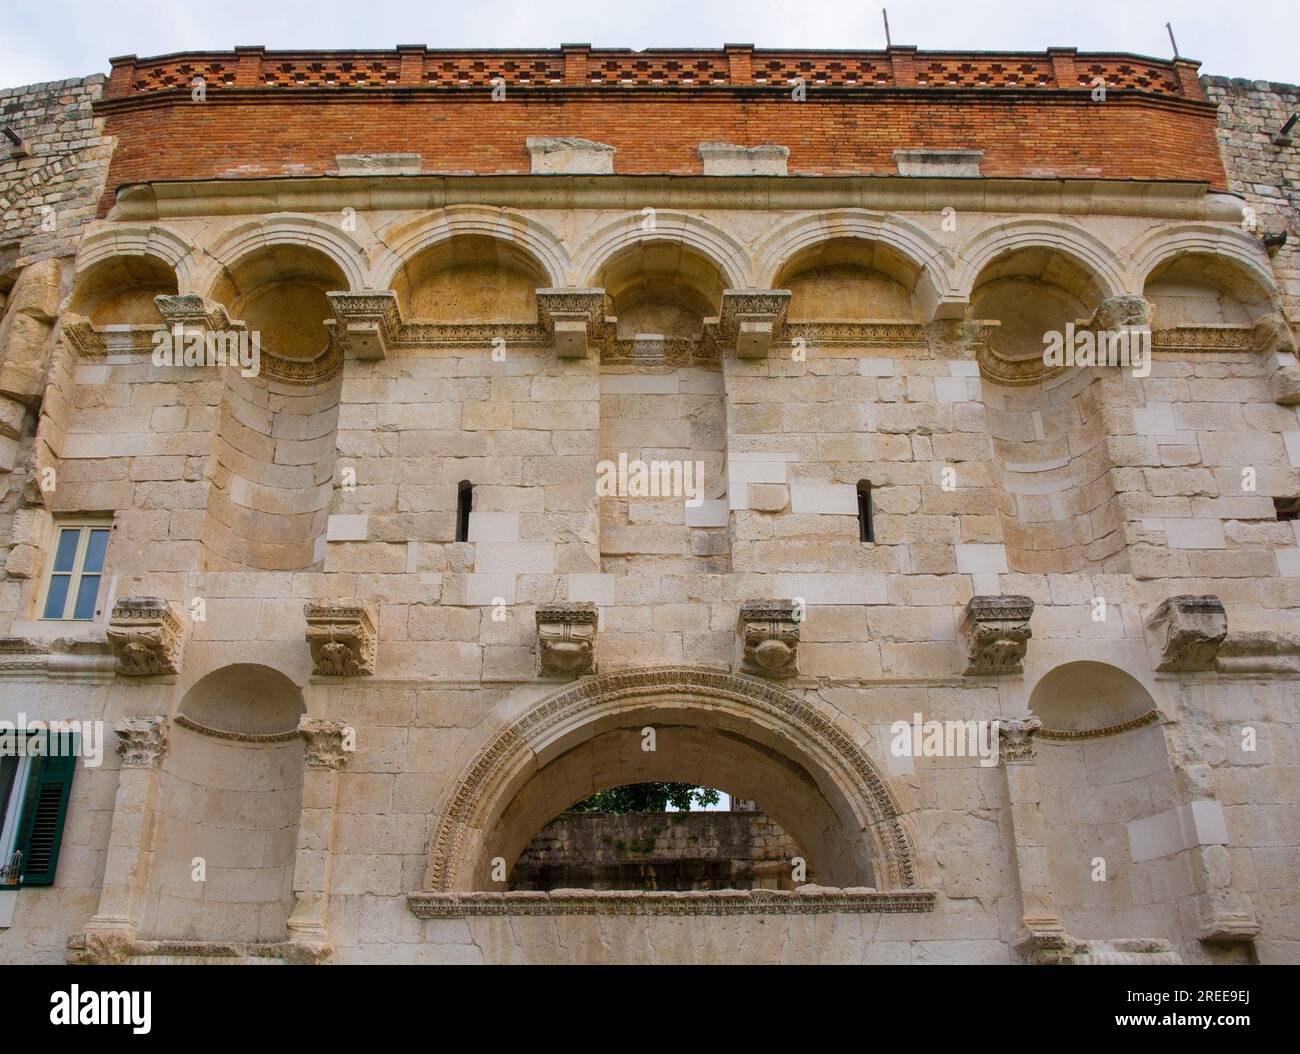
(309,940)
(142,742)
(1040,937)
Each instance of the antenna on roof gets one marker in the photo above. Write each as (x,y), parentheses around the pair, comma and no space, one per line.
(888,42)
(1170,28)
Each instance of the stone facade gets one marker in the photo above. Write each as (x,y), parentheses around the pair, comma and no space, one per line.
(546,483)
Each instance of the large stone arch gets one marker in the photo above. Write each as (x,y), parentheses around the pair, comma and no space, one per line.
(1232,244)
(406,241)
(309,232)
(1084,248)
(932,259)
(669,225)
(131,239)
(776,721)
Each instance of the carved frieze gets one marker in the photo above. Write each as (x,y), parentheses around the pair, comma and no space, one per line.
(1189,630)
(751,319)
(147,637)
(142,741)
(575,319)
(997,634)
(566,639)
(365,324)
(341,635)
(769,638)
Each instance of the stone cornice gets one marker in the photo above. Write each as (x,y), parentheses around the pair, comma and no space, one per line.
(176,199)
(819,901)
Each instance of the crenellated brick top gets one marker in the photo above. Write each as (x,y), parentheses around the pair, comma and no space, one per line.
(580,65)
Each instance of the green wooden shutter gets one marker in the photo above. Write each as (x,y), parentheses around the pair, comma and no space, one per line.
(44,812)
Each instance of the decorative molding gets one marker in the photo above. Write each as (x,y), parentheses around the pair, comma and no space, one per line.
(566,639)
(574,317)
(817,901)
(1043,941)
(750,319)
(112,949)
(1189,631)
(511,750)
(867,333)
(997,634)
(1151,717)
(769,638)
(142,741)
(1229,926)
(1016,739)
(64,656)
(90,341)
(365,325)
(417,334)
(191,310)
(181,721)
(147,637)
(341,635)
(325,741)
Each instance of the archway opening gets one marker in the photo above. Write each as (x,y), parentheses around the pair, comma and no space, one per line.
(1199,289)
(851,279)
(1031,292)
(470,278)
(279,292)
(121,290)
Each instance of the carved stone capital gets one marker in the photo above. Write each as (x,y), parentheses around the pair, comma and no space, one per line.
(997,634)
(1189,630)
(341,635)
(324,743)
(142,741)
(192,311)
(750,319)
(566,639)
(365,324)
(1119,312)
(574,318)
(769,638)
(147,637)
(1043,941)
(1016,738)
(1284,385)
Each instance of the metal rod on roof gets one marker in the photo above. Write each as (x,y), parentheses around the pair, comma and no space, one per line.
(1170,28)
(888,43)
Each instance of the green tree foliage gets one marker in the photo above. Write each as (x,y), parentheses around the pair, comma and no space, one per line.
(647,797)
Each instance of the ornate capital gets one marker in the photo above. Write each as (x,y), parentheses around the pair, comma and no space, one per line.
(1189,631)
(750,319)
(146,636)
(566,639)
(997,633)
(769,638)
(1016,738)
(142,741)
(191,310)
(573,317)
(324,743)
(342,638)
(366,324)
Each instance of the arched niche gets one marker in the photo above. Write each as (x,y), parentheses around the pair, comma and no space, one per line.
(1032,291)
(279,291)
(470,278)
(661,287)
(230,793)
(1201,288)
(851,279)
(120,290)
(711,728)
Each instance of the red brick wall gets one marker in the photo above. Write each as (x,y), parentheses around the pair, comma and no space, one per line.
(163,135)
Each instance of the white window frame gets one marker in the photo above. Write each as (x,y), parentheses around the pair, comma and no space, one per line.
(14,810)
(85,524)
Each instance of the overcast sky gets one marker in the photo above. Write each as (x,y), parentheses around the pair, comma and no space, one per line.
(43,40)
